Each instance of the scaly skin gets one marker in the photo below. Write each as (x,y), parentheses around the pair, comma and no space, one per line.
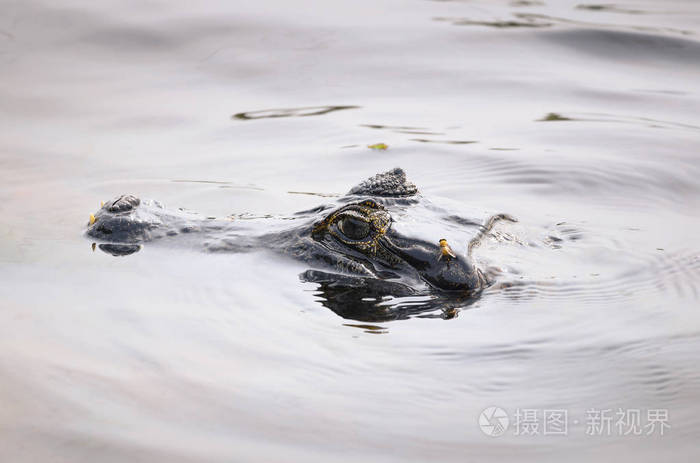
(352,244)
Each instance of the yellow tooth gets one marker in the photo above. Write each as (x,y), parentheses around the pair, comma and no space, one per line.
(102,204)
(92,219)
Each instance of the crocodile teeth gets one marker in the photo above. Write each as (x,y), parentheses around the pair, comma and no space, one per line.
(92,219)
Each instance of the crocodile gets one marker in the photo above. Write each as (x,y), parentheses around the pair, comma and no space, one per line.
(360,261)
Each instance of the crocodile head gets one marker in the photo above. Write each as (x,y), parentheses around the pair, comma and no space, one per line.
(361,232)
(358,251)
(372,265)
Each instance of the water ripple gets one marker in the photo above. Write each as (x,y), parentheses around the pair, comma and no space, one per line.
(539,21)
(676,274)
(290,112)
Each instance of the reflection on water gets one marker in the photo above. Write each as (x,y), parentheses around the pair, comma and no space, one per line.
(372,300)
(311,193)
(600,117)
(403,129)
(397,128)
(609,8)
(118,250)
(554,117)
(290,112)
(525,20)
(536,20)
(222,184)
(526,3)
(171,355)
(372,329)
(449,142)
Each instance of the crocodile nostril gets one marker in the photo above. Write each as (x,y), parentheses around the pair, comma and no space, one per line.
(124,203)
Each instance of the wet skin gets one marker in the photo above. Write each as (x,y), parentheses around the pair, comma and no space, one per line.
(365,227)
(352,249)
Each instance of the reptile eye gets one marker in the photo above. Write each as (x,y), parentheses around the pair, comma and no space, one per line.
(354,229)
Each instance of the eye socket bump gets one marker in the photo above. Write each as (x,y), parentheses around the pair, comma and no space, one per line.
(354,229)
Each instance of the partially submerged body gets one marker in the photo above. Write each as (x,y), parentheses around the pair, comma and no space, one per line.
(350,245)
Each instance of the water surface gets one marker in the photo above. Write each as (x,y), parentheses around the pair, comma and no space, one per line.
(579,119)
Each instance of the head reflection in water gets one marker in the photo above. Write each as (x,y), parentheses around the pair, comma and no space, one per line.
(373,300)
(365,269)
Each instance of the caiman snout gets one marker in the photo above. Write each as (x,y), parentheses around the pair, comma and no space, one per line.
(365,228)
(445,271)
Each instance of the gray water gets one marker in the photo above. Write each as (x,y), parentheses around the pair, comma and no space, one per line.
(580,120)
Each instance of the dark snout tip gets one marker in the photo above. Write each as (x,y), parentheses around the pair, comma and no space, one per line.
(454,274)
